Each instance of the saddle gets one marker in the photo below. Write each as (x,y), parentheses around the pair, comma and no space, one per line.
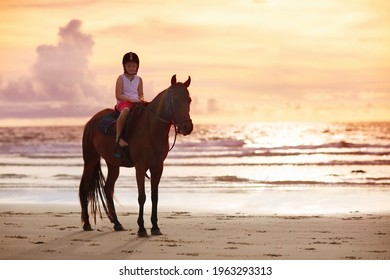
(107,124)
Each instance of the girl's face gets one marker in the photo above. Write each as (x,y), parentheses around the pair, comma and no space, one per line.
(131,67)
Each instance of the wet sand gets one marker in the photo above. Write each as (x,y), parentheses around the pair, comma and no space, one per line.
(47,233)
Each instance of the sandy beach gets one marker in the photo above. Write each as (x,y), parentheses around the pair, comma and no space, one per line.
(45,233)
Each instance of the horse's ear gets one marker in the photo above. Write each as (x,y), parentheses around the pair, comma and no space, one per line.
(173,80)
(188,82)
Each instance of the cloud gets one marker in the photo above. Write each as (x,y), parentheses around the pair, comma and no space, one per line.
(60,84)
(212,105)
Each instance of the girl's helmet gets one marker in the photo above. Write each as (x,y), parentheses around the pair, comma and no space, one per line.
(130,57)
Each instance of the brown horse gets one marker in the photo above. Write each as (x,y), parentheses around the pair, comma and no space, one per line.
(148,147)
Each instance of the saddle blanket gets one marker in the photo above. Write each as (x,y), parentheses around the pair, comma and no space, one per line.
(107,123)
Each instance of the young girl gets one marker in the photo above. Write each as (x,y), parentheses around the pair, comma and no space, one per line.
(128,90)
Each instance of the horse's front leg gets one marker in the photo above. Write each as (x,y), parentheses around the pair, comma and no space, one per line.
(140,174)
(155,181)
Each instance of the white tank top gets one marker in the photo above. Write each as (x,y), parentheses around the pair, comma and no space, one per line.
(130,88)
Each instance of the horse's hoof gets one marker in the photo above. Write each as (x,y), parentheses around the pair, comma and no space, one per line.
(143,233)
(87,228)
(156,232)
(119,227)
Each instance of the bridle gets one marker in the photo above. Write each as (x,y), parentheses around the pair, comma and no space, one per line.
(169,110)
(170,114)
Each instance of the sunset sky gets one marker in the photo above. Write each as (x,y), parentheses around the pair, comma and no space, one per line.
(249,60)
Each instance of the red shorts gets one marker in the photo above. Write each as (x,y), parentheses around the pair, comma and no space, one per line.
(123,104)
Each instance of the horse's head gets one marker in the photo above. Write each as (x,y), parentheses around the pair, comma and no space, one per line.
(179,101)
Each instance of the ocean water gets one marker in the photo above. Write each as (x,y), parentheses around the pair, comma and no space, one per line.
(258,167)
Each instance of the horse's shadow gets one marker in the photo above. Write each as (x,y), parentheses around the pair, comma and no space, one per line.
(81,245)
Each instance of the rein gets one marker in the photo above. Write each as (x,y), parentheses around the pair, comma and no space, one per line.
(169,120)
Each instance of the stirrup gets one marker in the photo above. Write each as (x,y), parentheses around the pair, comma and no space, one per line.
(117,152)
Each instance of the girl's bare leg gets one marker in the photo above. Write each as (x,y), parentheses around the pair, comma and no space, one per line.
(119,126)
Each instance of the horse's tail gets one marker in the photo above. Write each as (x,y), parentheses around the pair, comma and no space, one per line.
(92,181)
(95,193)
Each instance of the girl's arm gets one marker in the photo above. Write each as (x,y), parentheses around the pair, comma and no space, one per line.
(141,90)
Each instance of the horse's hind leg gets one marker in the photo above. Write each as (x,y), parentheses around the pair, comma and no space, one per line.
(113,173)
(86,181)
